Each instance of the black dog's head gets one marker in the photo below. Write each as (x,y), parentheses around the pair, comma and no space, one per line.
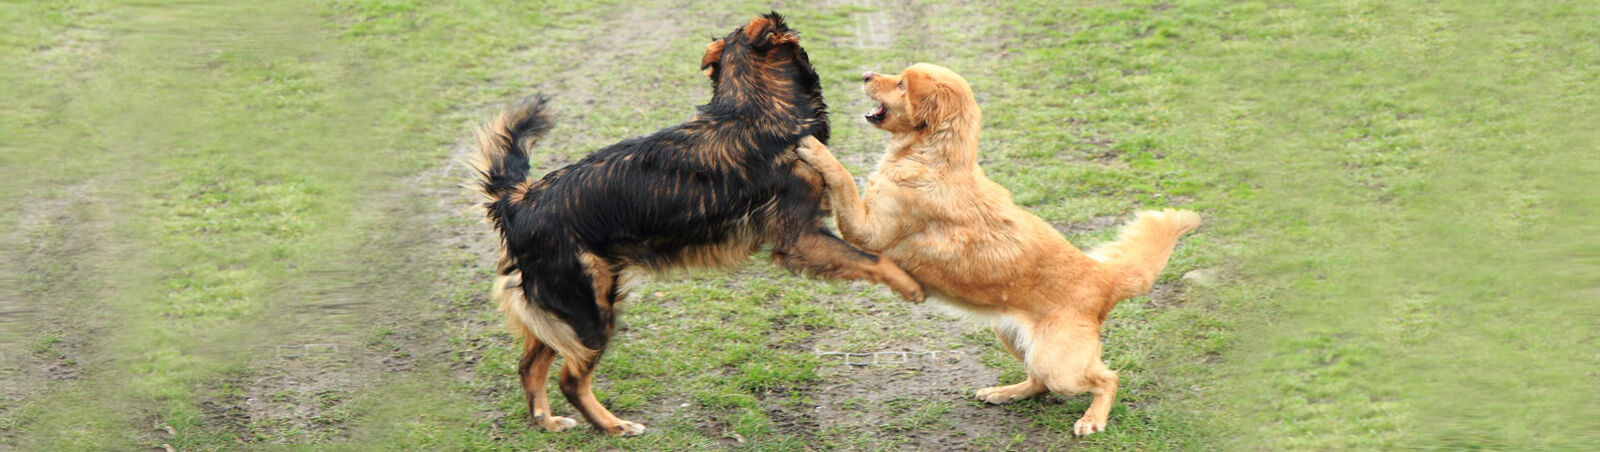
(761,65)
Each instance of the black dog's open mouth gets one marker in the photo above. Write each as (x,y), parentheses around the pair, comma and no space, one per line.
(877,114)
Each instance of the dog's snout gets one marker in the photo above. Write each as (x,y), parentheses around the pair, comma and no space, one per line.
(867,76)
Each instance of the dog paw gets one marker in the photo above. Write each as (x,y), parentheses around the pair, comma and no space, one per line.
(901,283)
(556,423)
(1086,426)
(913,295)
(811,142)
(813,152)
(998,395)
(626,429)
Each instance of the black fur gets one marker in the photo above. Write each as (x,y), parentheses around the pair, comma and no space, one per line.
(646,200)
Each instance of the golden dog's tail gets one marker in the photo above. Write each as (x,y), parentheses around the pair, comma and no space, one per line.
(1142,250)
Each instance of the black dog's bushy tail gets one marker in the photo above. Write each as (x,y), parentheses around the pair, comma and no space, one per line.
(501,161)
(500,169)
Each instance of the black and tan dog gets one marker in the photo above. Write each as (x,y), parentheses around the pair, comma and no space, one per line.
(705,193)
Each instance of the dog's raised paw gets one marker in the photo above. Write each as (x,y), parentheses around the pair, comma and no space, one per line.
(812,151)
(810,142)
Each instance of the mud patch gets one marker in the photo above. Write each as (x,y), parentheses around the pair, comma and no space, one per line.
(911,392)
(298,397)
(54,255)
(1094,224)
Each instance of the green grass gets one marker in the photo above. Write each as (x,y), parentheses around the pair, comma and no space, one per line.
(1399,197)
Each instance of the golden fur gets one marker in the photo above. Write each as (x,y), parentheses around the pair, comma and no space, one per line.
(930,209)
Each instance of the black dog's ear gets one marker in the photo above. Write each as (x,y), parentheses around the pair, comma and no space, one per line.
(776,20)
(768,31)
(757,29)
(713,57)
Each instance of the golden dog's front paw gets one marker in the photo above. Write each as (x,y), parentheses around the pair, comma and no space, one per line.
(810,142)
(813,152)
(899,281)
(1088,425)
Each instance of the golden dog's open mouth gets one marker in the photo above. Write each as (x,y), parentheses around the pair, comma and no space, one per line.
(877,114)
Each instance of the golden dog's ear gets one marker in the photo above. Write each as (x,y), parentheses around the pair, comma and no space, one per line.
(932,101)
(712,58)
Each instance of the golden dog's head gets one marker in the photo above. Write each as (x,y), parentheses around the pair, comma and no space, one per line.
(924,97)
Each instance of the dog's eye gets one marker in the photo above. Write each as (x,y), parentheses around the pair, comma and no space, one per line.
(901,85)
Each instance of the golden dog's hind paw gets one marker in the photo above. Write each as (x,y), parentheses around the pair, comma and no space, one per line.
(626,429)
(998,395)
(555,423)
(1011,393)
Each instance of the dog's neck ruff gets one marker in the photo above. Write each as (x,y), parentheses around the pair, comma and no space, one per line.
(783,100)
(952,146)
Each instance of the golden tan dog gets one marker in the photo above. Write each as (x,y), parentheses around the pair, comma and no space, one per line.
(930,209)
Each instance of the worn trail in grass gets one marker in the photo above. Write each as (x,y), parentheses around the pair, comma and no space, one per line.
(209,190)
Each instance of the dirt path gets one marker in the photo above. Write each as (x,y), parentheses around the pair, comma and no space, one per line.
(63,258)
(55,278)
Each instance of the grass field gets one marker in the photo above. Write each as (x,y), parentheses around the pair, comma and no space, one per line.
(236,225)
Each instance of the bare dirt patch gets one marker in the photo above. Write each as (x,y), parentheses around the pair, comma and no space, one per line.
(374,316)
(296,395)
(916,392)
(1094,224)
(53,272)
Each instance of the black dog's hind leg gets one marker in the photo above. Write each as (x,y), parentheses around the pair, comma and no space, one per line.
(817,252)
(577,375)
(576,385)
(806,247)
(535,371)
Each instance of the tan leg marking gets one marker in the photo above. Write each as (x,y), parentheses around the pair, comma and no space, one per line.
(535,371)
(577,387)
